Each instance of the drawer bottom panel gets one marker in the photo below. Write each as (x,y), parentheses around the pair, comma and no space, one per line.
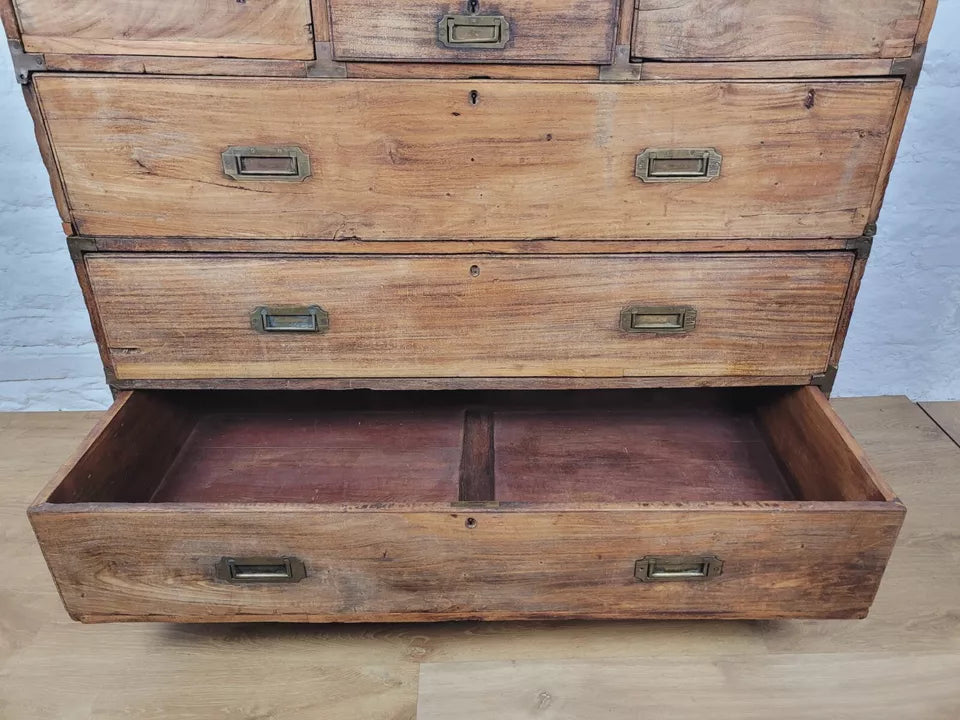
(363,506)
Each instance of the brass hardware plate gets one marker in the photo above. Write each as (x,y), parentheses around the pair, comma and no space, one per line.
(678,165)
(271,163)
(281,319)
(260,570)
(474,31)
(621,69)
(658,319)
(677,567)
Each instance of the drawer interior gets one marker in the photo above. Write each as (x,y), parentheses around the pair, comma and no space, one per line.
(540,447)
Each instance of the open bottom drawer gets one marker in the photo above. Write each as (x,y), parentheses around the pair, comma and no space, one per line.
(355,506)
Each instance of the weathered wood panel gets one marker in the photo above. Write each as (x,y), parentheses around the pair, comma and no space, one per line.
(149,563)
(558,31)
(431,160)
(774,29)
(480,316)
(274,29)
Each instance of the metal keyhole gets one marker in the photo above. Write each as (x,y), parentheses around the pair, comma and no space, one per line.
(473,6)
(474,97)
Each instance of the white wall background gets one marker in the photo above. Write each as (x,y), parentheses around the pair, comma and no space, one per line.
(904,338)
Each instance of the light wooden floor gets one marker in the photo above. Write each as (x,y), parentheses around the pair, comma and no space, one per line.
(902,663)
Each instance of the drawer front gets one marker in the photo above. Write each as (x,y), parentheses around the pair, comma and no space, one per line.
(223,316)
(554,31)
(774,29)
(393,160)
(383,566)
(277,29)
(219,506)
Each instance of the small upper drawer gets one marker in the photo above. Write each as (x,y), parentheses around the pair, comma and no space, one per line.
(203,316)
(774,29)
(536,31)
(274,29)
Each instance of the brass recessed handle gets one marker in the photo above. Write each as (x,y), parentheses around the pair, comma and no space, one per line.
(677,567)
(678,165)
(480,32)
(658,319)
(285,319)
(260,570)
(266,163)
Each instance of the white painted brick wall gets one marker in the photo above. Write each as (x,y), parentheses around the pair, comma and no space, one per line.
(904,339)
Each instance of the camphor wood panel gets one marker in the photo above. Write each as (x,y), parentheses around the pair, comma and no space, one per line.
(565,555)
(273,29)
(188,316)
(774,29)
(551,31)
(420,159)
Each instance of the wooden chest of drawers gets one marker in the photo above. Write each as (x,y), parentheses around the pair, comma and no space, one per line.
(429,310)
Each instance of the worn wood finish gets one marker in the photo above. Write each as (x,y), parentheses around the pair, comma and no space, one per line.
(410,565)
(562,551)
(127,453)
(674,453)
(277,29)
(180,317)
(455,71)
(462,383)
(458,247)
(316,457)
(774,29)
(773,69)
(161,65)
(477,474)
(48,156)
(8,19)
(853,289)
(321,20)
(416,159)
(550,31)
(900,662)
(807,436)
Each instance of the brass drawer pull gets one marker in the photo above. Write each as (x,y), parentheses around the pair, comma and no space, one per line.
(261,570)
(658,319)
(474,31)
(677,567)
(678,165)
(282,164)
(312,318)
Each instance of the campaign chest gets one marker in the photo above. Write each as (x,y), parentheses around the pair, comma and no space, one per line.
(438,310)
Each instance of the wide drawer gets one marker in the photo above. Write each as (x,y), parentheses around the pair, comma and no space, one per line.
(216,506)
(774,29)
(277,29)
(377,159)
(213,316)
(541,31)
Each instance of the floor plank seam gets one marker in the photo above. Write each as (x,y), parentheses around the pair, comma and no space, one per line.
(939,426)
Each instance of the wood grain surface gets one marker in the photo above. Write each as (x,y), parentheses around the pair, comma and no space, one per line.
(308,484)
(899,662)
(553,31)
(278,29)
(774,29)
(188,316)
(418,159)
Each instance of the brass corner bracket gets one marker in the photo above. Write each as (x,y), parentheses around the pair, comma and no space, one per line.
(910,67)
(861,246)
(323,65)
(825,380)
(24,63)
(621,70)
